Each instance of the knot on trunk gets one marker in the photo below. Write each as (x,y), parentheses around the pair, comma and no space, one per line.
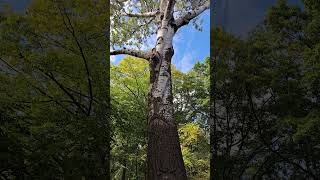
(159,40)
(169,53)
(153,55)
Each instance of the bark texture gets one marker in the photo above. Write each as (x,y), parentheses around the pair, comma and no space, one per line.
(164,152)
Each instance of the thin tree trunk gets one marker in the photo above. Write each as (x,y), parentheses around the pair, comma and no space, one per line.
(164,153)
(214,174)
(108,103)
(136,164)
(124,170)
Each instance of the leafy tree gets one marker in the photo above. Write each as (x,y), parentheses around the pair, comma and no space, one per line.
(191,95)
(195,147)
(129,81)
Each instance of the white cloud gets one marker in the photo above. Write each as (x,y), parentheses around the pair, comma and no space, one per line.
(187,61)
(150,43)
(112,59)
(184,55)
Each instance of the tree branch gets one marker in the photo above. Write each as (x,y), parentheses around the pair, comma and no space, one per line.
(51,76)
(144,15)
(9,65)
(185,19)
(168,12)
(120,1)
(38,88)
(71,29)
(139,54)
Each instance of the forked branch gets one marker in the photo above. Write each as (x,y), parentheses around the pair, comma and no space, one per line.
(185,19)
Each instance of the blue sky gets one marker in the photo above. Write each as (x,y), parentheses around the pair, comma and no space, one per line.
(18,5)
(240,16)
(190,45)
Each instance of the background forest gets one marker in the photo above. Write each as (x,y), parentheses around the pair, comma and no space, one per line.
(54,91)
(266,99)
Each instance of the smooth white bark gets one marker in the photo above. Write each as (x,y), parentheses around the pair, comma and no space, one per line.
(137,53)
(142,15)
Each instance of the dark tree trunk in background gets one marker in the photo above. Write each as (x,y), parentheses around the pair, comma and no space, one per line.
(214,172)
(124,170)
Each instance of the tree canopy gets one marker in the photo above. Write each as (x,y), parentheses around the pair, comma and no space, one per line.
(54,91)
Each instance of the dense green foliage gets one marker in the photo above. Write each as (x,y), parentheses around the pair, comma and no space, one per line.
(266,101)
(54,91)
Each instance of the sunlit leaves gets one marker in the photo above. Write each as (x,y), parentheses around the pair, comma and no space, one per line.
(131,31)
(194,147)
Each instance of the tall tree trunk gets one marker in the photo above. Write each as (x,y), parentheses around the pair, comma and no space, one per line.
(164,152)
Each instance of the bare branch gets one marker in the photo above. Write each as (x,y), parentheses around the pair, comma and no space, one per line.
(51,76)
(185,19)
(9,65)
(139,54)
(71,29)
(144,15)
